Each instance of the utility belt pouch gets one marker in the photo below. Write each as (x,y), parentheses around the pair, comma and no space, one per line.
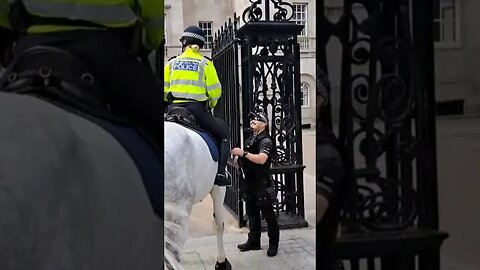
(270,188)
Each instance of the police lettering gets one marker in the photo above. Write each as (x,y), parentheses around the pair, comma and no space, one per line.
(186,65)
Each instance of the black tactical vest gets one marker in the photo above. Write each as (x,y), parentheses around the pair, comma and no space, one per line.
(252,145)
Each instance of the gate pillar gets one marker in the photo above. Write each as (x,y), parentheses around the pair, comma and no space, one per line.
(270,79)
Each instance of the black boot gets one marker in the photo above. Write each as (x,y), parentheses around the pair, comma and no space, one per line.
(272,250)
(273,240)
(224,152)
(250,245)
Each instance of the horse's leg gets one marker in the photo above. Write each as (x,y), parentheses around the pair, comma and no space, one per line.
(218,196)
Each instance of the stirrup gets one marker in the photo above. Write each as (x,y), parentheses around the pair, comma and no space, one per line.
(225,181)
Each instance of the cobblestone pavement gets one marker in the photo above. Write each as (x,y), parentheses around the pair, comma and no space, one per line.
(296,251)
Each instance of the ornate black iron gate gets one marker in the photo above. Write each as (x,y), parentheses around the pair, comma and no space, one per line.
(387,125)
(270,79)
(225,51)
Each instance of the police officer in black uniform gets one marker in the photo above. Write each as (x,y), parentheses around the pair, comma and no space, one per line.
(259,192)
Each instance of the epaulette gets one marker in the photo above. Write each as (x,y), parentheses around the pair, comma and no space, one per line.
(172,58)
(208,58)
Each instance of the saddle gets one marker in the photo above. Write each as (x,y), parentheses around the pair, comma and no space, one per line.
(54,74)
(184,117)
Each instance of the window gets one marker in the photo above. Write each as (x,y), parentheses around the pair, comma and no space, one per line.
(300,16)
(446,22)
(207,27)
(305,94)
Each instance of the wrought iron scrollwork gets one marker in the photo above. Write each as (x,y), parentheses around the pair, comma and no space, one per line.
(282,13)
(254,13)
(280,187)
(270,95)
(381,210)
(376,125)
(386,132)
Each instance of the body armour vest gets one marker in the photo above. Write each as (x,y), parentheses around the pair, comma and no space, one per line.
(256,144)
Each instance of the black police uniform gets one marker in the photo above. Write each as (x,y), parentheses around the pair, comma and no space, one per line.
(257,180)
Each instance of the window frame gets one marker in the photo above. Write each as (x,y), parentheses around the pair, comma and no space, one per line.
(440,44)
(302,95)
(206,33)
(305,29)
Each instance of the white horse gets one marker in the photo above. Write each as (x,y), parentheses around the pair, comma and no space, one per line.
(189,176)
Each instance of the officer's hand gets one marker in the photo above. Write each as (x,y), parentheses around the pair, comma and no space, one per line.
(237,151)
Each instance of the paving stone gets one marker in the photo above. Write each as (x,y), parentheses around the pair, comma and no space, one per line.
(293,253)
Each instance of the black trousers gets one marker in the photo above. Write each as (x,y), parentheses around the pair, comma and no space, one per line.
(206,120)
(255,221)
(132,89)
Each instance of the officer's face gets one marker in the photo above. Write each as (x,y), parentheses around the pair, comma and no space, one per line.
(256,125)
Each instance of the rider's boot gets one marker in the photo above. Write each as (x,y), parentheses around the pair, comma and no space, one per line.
(222,177)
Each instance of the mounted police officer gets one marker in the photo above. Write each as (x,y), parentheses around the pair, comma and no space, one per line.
(259,192)
(107,36)
(191,81)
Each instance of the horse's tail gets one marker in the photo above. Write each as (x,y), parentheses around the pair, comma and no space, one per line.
(175,224)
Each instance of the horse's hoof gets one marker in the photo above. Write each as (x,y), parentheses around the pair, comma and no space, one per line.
(223,266)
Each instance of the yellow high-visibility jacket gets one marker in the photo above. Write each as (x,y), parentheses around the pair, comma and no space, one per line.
(108,13)
(192,77)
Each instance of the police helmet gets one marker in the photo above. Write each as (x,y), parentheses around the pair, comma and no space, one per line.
(193,35)
(259,116)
